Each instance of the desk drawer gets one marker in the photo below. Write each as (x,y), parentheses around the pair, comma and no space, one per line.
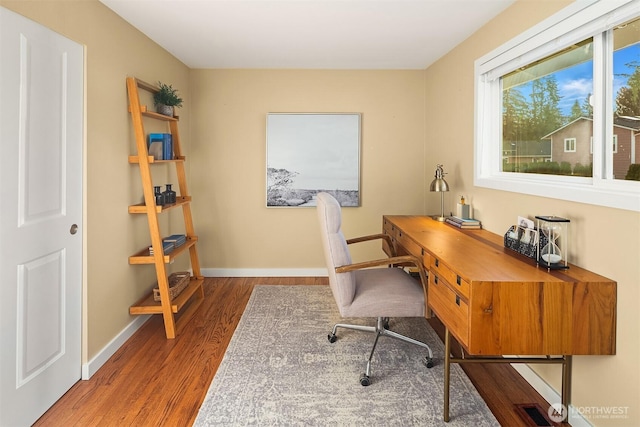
(388,228)
(458,283)
(409,245)
(414,249)
(450,308)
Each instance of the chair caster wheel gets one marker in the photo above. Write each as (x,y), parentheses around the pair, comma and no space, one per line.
(332,338)
(429,362)
(364,380)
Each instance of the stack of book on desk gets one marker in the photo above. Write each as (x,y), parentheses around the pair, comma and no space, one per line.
(463,223)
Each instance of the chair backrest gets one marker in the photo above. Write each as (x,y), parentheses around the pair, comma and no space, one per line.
(336,253)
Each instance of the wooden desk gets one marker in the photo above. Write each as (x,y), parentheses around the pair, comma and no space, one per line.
(496,302)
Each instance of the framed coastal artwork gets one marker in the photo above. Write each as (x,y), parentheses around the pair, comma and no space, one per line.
(308,153)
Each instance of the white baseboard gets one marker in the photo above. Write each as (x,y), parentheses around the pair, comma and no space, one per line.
(549,393)
(264,272)
(90,368)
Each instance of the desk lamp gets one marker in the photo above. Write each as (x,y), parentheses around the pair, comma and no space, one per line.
(439,185)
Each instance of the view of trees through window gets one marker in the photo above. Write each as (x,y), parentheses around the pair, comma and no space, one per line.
(547,113)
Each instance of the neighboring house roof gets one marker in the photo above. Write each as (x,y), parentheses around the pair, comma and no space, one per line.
(627,122)
(632,123)
(548,136)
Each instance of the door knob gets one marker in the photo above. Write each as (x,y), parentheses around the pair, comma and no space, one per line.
(74,229)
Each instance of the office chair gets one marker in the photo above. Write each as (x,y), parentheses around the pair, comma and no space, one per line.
(362,290)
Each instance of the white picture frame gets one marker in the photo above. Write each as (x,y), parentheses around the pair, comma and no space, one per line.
(312,152)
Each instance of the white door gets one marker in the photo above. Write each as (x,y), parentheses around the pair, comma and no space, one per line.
(41,134)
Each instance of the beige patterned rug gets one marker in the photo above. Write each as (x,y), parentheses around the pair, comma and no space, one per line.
(280,369)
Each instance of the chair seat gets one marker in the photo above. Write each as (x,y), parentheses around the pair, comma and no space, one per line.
(386,292)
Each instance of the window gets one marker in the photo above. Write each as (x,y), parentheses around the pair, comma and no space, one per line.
(558,108)
(569,145)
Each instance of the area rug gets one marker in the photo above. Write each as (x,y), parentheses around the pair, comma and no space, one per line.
(280,370)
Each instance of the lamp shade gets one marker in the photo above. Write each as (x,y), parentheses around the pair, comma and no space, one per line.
(439,184)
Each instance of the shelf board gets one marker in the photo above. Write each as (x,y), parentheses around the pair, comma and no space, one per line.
(141,208)
(144,257)
(145,112)
(152,160)
(148,305)
(146,86)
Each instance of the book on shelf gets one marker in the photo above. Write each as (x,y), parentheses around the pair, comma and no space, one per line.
(167,146)
(167,248)
(160,146)
(155,145)
(463,223)
(176,239)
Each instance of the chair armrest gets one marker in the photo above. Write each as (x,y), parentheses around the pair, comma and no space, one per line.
(370,237)
(410,259)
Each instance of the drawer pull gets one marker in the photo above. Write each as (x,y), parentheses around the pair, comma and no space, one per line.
(489,309)
(435,279)
(422,251)
(458,280)
(457,300)
(437,263)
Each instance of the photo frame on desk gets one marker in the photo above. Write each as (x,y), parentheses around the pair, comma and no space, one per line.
(523,240)
(312,152)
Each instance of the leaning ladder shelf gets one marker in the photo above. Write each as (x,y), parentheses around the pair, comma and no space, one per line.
(193,295)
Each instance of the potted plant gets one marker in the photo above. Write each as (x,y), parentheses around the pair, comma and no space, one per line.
(166,98)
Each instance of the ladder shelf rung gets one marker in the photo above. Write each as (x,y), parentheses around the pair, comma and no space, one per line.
(146,86)
(144,110)
(141,208)
(144,257)
(152,160)
(147,305)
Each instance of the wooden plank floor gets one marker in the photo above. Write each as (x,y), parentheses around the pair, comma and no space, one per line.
(152,381)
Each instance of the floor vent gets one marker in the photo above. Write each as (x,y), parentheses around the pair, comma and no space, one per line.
(534,415)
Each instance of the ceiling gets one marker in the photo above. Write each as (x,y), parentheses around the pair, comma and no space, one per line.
(320,34)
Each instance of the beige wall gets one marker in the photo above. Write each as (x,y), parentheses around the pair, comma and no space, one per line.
(236,230)
(114,50)
(604,240)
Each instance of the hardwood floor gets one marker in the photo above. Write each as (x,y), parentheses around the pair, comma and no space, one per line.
(152,381)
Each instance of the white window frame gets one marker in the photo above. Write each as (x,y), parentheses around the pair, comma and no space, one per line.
(577,22)
(615,144)
(571,148)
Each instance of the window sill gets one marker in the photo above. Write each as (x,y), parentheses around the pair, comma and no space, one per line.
(616,195)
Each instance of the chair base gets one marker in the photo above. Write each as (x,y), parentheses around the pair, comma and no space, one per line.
(381,329)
